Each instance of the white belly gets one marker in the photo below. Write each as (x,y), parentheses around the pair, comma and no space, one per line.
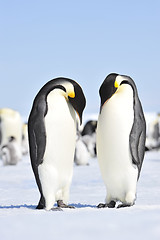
(113,130)
(56,170)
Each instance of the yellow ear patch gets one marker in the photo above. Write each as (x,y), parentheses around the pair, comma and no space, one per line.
(116,84)
(71,94)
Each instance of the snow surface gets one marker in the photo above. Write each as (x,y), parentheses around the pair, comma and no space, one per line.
(20,220)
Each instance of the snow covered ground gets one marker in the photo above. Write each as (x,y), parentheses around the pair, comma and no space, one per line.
(19,196)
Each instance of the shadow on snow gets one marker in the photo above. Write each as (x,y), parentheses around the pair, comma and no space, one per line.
(18,206)
(76,205)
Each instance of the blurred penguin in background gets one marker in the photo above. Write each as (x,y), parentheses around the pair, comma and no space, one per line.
(89,136)
(11,152)
(89,128)
(10,136)
(82,154)
(86,144)
(153,134)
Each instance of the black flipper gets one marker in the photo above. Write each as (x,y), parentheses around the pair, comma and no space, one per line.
(37,141)
(138,135)
(138,132)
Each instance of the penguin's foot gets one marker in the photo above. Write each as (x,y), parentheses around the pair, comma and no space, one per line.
(102,205)
(111,204)
(61,204)
(56,209)
(124,205)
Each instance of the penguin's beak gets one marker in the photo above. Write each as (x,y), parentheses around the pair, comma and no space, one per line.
(71,94)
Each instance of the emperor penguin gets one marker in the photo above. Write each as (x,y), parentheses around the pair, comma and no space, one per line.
(11,153)
(52,139)
(10,136)
(82,154)
(121,134)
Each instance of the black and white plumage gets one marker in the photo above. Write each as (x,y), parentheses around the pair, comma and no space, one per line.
(153,134)
(10,136)
(89,128)
(86,143)
(52,137)
(11,153)
(82,154)
(121,134)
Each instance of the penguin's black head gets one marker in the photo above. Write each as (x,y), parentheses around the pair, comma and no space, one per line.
(71,90)
(111,84)
(108,88)
(77,99)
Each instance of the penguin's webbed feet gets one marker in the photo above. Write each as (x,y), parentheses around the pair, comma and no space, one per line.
(61,204)
(41,207)
(122,205)
(111,204)
(102,205)
(56,209)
